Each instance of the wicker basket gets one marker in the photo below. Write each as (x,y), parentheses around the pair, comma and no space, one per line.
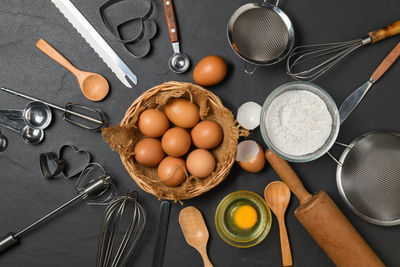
(125,136)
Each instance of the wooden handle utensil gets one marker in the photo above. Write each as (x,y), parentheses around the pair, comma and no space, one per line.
(195,231)
(171,21)
(325,222)
(385,32)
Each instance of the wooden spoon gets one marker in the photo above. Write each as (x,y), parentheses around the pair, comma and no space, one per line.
(195,231)
(277,196)
(93,86)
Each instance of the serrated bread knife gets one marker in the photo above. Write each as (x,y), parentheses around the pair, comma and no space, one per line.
(113,61)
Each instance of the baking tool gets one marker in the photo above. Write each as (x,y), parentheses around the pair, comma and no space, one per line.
(325,222)
(195,231)
(225,222)
(68,112)
(367,177)
(178,62)
(351,102)
(93,86)
(3,142)
(308,62)
(123,221)
(143,31)
(331,106)
(137,20)
(36,114)
(277,196)
(162,231)
(113,61)
(86,189)
(61,165)
(29,135)
(261,34)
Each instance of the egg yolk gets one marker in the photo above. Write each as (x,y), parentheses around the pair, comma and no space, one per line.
(245,217)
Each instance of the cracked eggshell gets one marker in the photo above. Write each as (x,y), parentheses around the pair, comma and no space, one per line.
(248,115)
(250,156)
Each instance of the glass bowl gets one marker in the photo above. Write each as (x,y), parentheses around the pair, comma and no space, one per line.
(330,104)
(227,229)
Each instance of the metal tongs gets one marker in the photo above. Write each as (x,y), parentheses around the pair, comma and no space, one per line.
(98,191)
(96,123)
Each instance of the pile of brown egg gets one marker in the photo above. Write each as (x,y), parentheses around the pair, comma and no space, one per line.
(177,142)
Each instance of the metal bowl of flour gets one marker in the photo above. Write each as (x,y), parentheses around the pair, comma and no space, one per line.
(332,109)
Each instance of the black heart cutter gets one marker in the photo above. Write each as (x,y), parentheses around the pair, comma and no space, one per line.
(52,165)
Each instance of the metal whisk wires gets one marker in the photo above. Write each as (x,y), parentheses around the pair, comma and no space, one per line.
(117,244)
(308,62)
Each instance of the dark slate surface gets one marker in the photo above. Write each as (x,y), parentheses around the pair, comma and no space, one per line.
(71,238)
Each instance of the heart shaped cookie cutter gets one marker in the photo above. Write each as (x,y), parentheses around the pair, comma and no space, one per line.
(59,164)
(147,29)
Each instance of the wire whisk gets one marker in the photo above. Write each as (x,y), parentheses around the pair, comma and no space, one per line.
(123,224)
(308,62)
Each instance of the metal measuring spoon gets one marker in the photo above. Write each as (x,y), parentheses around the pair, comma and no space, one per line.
(178,62)
(36,114)
(29,135)
(3,142)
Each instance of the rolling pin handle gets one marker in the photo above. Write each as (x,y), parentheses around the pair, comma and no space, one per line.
(287,174)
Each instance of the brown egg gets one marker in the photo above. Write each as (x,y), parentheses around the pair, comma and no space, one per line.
(210,71)
(153,123)
(172,171)
(182,112)
(200,163)
(207,134)
(255,165)
(148,152)
(176,142)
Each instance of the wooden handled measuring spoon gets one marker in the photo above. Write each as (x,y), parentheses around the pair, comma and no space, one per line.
(195,231)
(93,86)
(277,196)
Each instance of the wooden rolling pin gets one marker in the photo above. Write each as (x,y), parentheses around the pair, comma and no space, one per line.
(325,222)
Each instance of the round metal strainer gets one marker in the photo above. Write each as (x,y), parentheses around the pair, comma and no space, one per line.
(368,177)
(260,33)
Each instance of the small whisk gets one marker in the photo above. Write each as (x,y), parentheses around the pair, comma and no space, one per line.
(99,190)
(308,62)
(116,245)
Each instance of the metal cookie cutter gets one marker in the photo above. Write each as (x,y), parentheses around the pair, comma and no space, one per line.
(139,45)
(59,164)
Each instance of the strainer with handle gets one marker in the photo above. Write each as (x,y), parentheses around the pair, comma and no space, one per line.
(261,34)
(368,177)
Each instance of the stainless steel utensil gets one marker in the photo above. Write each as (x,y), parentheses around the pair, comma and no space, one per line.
(68,112)
(36,114)
(3,142)
(29,135)
(100,46)
(261,34)
(87,189)
(123,212)
(308,62)
(162,231)
(367,177)
(178,62)
(351,102)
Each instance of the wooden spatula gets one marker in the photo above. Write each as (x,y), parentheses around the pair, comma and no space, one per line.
(195,231)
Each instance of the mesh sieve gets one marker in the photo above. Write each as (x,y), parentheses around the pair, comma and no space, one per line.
(260,33)
(369,178)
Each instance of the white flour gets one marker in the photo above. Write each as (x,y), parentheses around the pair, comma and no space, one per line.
(298,122)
